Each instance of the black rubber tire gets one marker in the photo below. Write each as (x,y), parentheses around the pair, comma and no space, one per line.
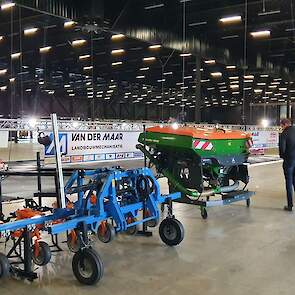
(109,235)
(204,213)
(131,231)
(248,203)
(153,222)
(171,231)
(4,266)
(44,256)
(94,263)
(77,246)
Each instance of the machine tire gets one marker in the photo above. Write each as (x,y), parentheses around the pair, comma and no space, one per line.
(153,222)
(132,231)
(108,235)
(84,261)
(171,231)
(44,254)
(204,213)
(74,248)
(4,266)
(248,203)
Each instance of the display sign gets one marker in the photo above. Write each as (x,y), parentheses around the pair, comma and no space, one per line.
(3,139)
(265,139)
(89,146)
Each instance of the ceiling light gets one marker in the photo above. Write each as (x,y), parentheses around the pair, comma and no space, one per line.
(248,77)
(185,54)
(11,80)
(87,68)
(7,5)
(231,19)
(78,42)
(149,58)
(156,46)
(30,31)
(69,24)
(257,90)
(265,123)
(234,78)
(44,49)
(117,51)
(140,77)
(231,67)
(144,69)
(210,61)
(117,63)
(216,74)
(260,34)
(234,86)
(1,38)
(118,37)
(283,89)
(15,55)
(85,56)
(264,76)
(3,72)
(3,88)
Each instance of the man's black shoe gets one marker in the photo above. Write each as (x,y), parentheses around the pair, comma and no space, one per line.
(287,208)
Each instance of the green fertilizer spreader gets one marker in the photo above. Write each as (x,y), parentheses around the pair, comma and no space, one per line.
(208,166)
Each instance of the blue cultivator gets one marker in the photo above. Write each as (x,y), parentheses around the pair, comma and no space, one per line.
(106,202)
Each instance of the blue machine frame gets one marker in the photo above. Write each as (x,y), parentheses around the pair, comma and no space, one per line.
(101,195)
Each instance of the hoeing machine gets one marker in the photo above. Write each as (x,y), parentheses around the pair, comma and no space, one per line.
(99,202)
(205,165)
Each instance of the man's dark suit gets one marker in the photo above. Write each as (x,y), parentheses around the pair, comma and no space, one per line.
(287,152)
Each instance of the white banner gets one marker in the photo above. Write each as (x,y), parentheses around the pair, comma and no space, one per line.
(265,139)
(3,139)
(88,146)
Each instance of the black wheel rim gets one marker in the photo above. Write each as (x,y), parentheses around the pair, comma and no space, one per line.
(85,268)
(39,259)
(106,236)
(170,232)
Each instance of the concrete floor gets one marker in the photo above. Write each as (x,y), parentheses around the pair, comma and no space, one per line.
(237,250)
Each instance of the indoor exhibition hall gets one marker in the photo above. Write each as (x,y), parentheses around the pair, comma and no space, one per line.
(147,147)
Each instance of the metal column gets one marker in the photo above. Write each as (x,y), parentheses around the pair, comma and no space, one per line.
(198,90)
(59,173)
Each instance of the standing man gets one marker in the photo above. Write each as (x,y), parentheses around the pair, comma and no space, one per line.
(287,153)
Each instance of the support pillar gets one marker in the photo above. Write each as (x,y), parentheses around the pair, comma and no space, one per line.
(198,94)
